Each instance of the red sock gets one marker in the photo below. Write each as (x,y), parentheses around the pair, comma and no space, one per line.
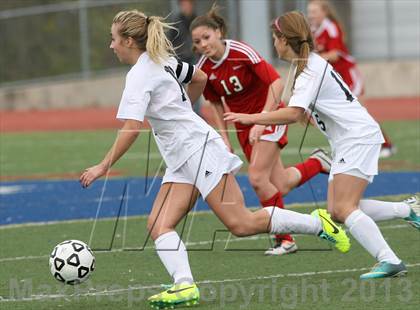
(308,169)
(277,200)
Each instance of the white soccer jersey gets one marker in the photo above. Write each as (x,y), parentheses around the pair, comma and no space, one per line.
(337,112)
(155,91)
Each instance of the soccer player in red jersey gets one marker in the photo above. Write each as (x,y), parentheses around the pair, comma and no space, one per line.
(330,44)
(239,77)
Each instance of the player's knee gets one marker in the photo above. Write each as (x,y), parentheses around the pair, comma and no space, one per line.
(284,188)
(256,178)
(340,212)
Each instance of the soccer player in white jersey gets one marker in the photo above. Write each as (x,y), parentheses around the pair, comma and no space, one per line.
(355,139)
(197,159)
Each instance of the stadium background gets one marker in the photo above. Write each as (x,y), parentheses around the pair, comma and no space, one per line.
(59,88)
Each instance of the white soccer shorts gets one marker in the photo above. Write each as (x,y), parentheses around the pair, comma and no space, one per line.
(206,167)
(359,160)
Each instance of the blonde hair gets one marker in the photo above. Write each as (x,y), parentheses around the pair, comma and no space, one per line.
(147,32)
(295,29)
(330,13)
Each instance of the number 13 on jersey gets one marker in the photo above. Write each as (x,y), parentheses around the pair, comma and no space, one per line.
(234,81)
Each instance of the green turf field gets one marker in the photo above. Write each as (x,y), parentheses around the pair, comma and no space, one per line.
(233,275)
(26,154)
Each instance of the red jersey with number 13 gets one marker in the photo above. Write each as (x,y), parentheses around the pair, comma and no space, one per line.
(241,76)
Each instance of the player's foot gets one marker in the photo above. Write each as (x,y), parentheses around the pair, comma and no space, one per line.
(385,270)
(331,231)
(387,151)
(177,295)
(414,217)
(324,158)
(282,248)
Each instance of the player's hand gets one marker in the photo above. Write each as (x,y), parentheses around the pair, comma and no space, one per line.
(255,133)
(91,174)
(246,119)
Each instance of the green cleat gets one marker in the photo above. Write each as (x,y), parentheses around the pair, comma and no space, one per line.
(385,270)
(331,231)
(178,295)
(414,217)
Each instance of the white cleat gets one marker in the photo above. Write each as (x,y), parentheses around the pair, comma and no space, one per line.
(324,158)
(414,217)
(387,151)
(286,247)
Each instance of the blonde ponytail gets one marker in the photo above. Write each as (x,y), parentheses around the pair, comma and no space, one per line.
(304,52)
(158,46)
(148,32)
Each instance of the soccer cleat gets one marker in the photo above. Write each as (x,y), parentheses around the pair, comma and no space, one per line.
(385,270)
(414,217)
(324,158)
(285,247)
(331,231)
(178,295)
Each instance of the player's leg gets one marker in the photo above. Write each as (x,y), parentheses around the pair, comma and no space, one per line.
(172,203)
(286,179)
(347,191)
(222,192)
(318,162)
(271,180)
(170,207)
(264,156)
(227,203)
(267,174)
(408,210)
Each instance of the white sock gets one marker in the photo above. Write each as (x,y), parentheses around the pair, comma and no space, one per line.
(286,221)
(174,256)
(365,231)
(384,210)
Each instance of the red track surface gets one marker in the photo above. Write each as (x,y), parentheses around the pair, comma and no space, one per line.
(104,118)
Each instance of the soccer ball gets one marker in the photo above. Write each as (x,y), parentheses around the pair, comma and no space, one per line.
(72,262)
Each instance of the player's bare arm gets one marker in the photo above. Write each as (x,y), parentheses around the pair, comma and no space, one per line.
(273,98)
(274,95)
(197,85)
(126,136)
(221,125)
(283,116)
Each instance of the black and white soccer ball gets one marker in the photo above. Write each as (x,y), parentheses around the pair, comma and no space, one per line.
(72,262)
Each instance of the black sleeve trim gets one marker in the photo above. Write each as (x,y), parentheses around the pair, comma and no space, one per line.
(178,68)
(189,74)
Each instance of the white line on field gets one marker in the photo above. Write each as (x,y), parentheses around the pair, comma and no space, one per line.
(141,287)
(205,242)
